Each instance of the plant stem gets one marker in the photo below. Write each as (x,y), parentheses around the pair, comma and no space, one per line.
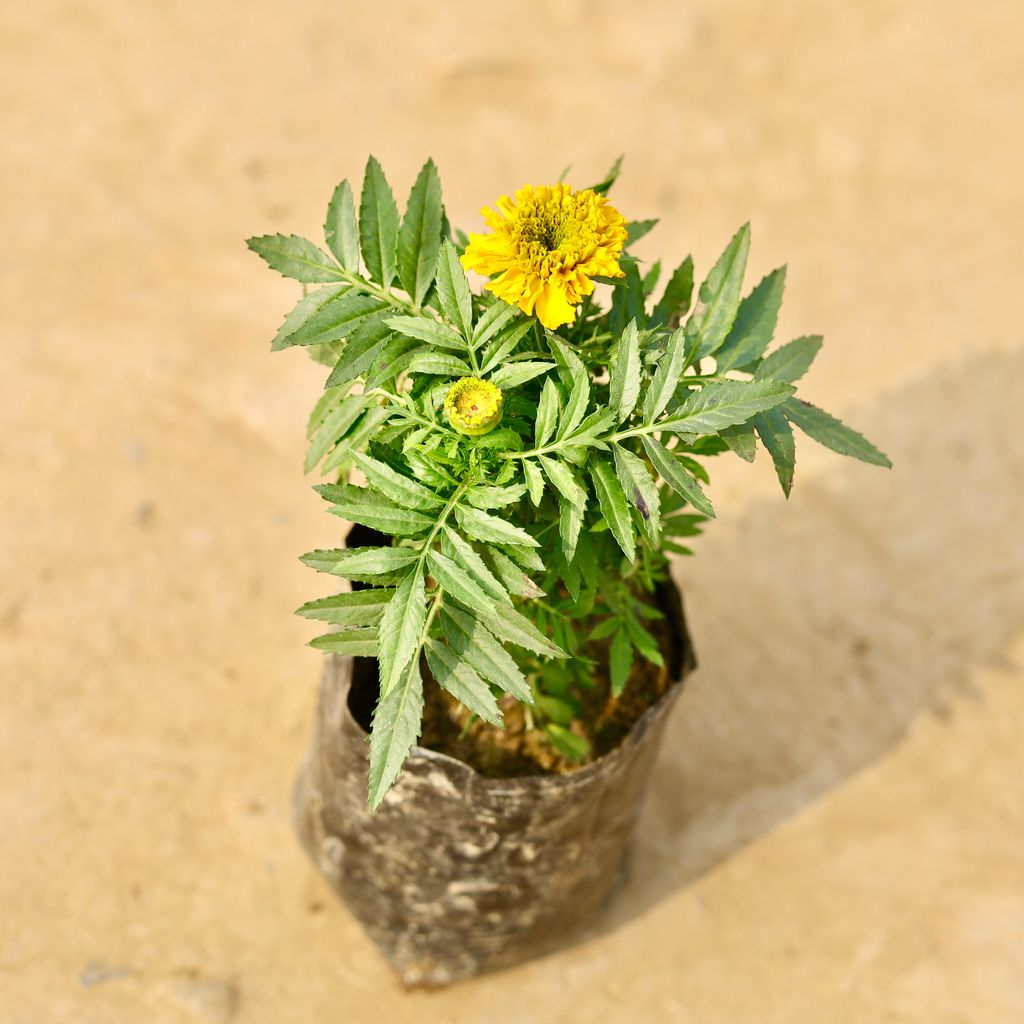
(385,294)
(441,519)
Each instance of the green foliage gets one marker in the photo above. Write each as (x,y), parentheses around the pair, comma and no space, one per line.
(295,257)
(827,430)
(520,561)
(754,325)
(777,436)
(624,380)
(453,291)
(378,225)
(341,231)
(719,296)
(791,361)
(675,302)
(419,238)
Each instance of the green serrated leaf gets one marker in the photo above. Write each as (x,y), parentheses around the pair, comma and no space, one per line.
(334,426)
(430,331)
(624,379)
(636,229)
(507,624)
(723,404)
(620,661)
(592,427)
(777,436)
(565,482)
(683,525)
(463,553)
(512,375)
(504,343)
(493,319)
(396,726)
(453,290)
(791,361)
(570,520)
(548,408)
(830,432)
(640,489)
(355,440)
(475,644)
(359,563)
(534,481)
(694,467)
(628,299)
(351,608)
(526,557)
(486,496)
(490,529)
(567,743)
(400,629)
(678,294)
(643,641)
(456,581)
(462,682)
(719,296)
(570,366)
(613,504)
(392,359)
(675,475)
(740,438)
(419,238)
(514,577)
(400,489)
(575,408)
(357,505)
(501,439)
(335,319)
(359,354)
(651,278)
(378,224)
(666,378)
(602,187)
(357,643)
(303,310)
(754,325)
(295,257)
(340,229)
(440,364)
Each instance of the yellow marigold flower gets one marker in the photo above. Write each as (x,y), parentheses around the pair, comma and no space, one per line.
(473,406)
(546,245)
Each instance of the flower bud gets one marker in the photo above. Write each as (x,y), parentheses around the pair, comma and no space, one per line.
(473,406)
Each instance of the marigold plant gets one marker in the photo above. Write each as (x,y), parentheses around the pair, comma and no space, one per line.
(532,455)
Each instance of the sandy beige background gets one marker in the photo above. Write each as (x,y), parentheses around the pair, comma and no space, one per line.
(836,829)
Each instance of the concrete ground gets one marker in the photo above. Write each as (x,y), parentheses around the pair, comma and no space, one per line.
(836,826)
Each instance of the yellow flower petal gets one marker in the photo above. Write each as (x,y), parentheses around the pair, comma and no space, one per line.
(546,244)
(553,308)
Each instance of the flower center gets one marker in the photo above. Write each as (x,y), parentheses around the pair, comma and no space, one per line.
(542,230)
(554,232)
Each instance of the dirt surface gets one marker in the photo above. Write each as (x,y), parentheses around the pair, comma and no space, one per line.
(836,827)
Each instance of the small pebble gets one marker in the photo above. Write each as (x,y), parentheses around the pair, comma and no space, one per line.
(95,973)
(211,999)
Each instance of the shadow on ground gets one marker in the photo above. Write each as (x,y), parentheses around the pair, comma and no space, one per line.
(870,599)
